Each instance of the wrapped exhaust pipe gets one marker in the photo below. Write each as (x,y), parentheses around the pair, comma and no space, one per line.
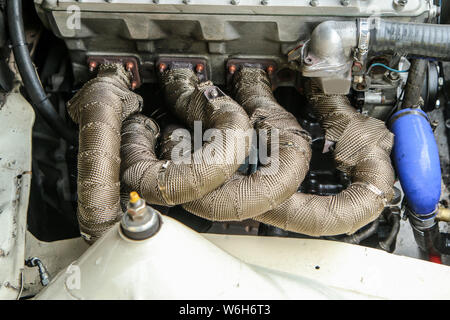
(170,182)
(99,108)
(246,196)
(363,146)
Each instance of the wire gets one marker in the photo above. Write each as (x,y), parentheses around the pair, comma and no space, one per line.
(386,67)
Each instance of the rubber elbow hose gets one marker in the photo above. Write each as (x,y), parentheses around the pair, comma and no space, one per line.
(416,158)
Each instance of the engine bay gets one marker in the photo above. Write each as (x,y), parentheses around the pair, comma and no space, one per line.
(314,119)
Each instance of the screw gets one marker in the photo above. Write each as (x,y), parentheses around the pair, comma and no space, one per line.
(232,69)
(235,2)
(270,69)
(314,3)
(92,66)
(345,2)
(162,67)
(129,65)
(199,68)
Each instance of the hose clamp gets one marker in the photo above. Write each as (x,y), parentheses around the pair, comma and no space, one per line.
(409,112)
(373,189)
(161,184)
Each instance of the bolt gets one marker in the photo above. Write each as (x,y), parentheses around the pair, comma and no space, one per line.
(129,65)
(400,3)
(345,2)
(92,66)
(357,66)
(394,75)
(314,3)
(232,69)
(270,69)
(438,104)
(235,2)
(199,68)
(162,67)
(360,86)
(308,60)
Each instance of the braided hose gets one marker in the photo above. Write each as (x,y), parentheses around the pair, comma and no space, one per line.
(99,108)
(170,182)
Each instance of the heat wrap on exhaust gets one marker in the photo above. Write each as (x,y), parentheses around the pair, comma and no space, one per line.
(99,108)
(170,182)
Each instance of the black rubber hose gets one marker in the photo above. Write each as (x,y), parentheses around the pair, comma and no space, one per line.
(29,76)
(363,235)
(419,39)
(387,243)
(414,84)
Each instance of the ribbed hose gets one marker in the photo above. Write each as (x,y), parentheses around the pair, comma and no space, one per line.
(99,108)
(427,40)
(170,182)
(362,150)
(243,197)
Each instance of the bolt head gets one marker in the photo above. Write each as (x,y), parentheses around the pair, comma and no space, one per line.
(129,65)
(92,65)
(270,69)
(199,68)
(314,3)
(232,69)
(162,67)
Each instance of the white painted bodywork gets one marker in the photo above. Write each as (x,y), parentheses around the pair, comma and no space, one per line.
(178,263)
(16,119)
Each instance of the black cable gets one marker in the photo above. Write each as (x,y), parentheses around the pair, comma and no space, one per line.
(28,73)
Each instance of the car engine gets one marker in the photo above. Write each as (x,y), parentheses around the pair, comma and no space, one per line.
(290,120)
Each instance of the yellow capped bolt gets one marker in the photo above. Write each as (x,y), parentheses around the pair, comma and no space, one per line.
(134,197)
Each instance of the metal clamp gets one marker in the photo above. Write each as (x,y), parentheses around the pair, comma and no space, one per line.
(363,40)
